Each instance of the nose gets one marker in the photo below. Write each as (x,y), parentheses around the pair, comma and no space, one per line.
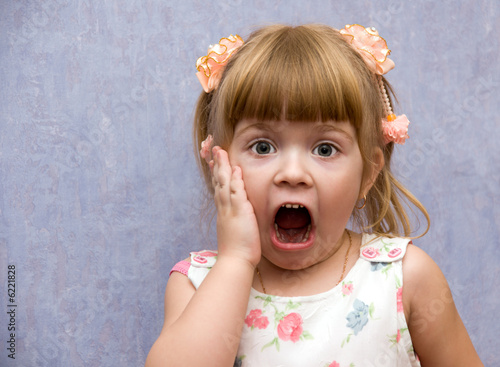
(293,170)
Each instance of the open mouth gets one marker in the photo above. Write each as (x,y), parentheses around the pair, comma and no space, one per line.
(292,223)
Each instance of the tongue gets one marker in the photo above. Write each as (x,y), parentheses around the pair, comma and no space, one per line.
(293,235)
(292,224)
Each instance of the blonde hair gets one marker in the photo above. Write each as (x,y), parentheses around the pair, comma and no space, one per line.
(308,73)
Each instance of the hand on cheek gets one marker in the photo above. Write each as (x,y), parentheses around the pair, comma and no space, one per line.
(237,230)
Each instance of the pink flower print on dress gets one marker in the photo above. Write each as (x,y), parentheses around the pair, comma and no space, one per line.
(395,338)
(255,319)
(334,364)
(347,288)
(370,253)
(261,322)
(290,327)
(399,296)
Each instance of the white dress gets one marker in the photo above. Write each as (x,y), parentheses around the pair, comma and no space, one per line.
(359,322)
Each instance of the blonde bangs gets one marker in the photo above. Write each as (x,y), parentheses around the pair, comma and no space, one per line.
(294,75)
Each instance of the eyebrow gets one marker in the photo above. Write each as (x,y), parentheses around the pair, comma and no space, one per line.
(326,127)
(258,126)
(321,128)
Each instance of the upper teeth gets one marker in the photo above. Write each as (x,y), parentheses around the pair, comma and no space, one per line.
(294,206)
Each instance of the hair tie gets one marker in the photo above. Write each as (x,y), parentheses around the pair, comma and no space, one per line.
(211,66)
(373,49)
(206,148)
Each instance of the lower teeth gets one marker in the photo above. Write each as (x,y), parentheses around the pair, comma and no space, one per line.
(277,232)
(306,236)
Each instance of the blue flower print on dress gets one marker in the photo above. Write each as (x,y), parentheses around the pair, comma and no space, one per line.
(378,266)
(358,318)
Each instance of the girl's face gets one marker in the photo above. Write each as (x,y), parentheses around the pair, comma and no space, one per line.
(315,168)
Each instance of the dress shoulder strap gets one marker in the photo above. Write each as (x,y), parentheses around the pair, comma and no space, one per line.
(383,249)
(200,264)
(181,267)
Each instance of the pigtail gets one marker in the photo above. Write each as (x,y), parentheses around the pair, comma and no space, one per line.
(388,203)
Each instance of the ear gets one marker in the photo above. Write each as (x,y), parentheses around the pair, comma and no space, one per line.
(372,173)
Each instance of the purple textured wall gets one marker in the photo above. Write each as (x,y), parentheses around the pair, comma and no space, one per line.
(99,192)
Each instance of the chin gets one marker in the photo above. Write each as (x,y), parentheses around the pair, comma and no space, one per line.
(291,260)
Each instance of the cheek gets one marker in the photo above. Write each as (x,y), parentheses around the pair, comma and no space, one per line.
(339,200)
(252,186)
(343,192)
(255,187)
(250,170)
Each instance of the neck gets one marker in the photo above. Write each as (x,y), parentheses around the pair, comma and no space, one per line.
(316,278)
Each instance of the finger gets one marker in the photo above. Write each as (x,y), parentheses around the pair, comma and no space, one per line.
(224,177)
(239,196)
(224,168)
(237,185)
(214,167)
(222,174)
(213,171)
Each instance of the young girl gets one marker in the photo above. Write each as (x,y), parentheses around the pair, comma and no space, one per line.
(303,134)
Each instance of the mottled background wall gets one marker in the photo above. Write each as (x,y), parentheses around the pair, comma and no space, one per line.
(99,191)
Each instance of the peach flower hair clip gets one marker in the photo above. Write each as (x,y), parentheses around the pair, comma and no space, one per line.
(374,51)
(210,69)
(211,66)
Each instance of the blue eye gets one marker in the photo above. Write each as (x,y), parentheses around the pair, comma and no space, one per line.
(263,147)
(325,150)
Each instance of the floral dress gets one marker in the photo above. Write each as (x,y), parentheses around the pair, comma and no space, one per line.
(360,322)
